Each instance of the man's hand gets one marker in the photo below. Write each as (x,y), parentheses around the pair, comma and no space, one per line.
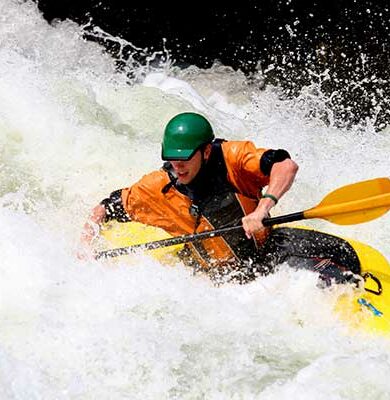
(281,178)
(253,222)
(85,253)
(90,232)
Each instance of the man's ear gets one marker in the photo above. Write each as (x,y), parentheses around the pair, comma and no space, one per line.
(207,151)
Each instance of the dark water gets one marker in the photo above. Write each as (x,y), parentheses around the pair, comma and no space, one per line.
(340,45)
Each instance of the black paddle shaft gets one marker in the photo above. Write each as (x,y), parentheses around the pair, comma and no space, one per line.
(194,237)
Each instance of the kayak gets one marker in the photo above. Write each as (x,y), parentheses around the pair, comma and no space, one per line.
(366,308)
(369,308)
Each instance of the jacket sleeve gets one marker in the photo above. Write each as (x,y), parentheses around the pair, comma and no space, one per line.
(128,204)
(147,202)
(243,165)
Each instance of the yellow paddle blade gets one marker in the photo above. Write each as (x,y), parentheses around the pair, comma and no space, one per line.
(354,204)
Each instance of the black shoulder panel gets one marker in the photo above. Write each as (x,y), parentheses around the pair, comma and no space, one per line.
(270,157)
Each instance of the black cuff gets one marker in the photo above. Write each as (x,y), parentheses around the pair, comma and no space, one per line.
(270,157)
(114,207)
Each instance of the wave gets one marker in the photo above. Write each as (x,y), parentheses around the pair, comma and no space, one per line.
(73,127)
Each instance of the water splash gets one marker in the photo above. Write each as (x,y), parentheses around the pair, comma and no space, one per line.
(73,127)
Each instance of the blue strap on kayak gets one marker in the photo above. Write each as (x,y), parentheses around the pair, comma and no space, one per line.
(374,310)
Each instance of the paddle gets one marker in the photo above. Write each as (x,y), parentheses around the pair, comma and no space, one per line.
(348,205)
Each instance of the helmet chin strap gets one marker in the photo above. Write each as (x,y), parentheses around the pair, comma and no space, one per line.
(203,162)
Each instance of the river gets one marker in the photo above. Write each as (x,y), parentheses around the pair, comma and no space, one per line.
(72,129)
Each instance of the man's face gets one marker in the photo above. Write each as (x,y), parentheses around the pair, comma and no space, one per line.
(187,170)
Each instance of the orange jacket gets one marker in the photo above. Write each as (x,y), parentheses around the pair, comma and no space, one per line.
(145,201)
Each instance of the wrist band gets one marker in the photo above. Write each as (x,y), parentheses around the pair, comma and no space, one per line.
(270,196)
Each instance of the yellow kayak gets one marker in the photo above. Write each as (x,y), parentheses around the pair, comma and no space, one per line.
(131,233)
(367,308)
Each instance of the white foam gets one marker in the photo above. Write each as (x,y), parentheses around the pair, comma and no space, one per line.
(72,129)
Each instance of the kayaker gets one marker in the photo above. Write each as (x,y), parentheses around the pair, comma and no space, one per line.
(208,183)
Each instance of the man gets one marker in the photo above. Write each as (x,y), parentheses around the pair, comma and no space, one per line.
(209,183)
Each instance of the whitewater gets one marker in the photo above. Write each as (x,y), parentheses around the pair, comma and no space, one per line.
(72,129)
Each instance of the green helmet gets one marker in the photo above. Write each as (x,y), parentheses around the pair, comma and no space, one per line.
(184,135)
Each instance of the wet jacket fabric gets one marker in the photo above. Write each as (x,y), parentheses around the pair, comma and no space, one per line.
(228,187)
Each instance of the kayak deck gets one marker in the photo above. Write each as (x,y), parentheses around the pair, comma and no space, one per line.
(369,308)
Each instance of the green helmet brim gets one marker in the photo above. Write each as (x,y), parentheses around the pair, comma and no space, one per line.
(177,154)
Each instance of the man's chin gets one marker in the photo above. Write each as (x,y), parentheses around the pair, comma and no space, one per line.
(184,180)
